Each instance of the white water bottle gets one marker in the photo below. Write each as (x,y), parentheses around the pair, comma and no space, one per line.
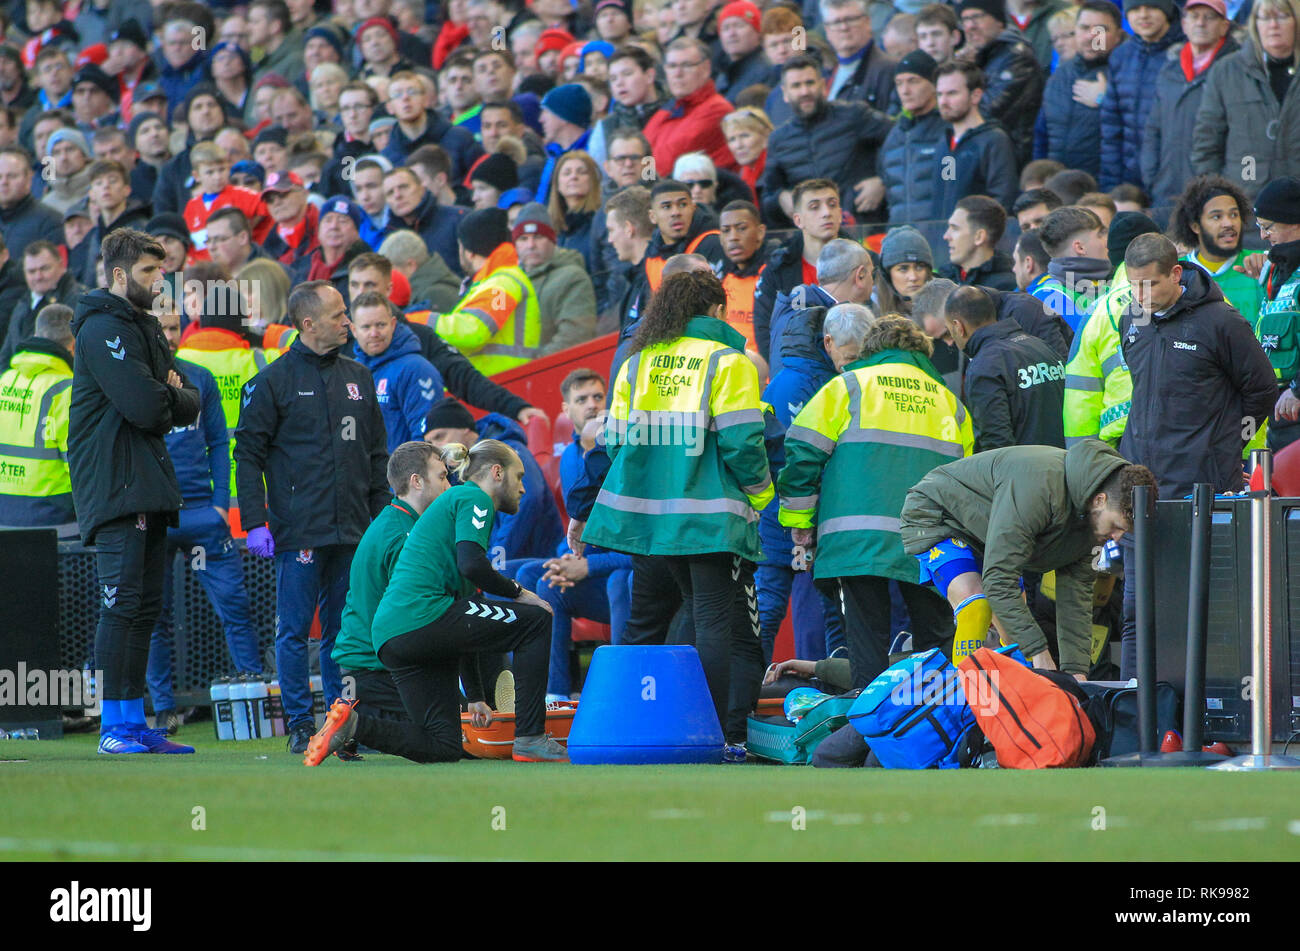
(275,706)
(258,699)
(318,708)
(221,713)
(239,708)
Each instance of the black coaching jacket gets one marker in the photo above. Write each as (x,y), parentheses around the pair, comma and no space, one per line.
(1202,386)
(311,451)
(122,407)
(1015,388)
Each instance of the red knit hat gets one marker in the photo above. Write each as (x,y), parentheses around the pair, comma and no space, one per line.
(745,10)
(378,21)
(552,39)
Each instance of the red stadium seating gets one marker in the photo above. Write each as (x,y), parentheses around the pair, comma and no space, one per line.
(539,380)
(1286,473)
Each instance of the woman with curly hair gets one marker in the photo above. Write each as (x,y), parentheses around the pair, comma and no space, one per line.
(688,477)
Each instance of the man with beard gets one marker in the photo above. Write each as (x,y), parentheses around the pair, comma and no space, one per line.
(14,90)
(834,140)
(1209,218)
(979,152)
(126,396)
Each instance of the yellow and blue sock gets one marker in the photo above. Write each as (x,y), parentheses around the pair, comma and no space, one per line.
(973,617)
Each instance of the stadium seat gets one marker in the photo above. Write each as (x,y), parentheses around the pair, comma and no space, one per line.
(562,432)
(538,431)
(587,631)
(1286,473)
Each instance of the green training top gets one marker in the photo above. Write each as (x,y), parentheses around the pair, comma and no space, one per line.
(372,566)
(426,582)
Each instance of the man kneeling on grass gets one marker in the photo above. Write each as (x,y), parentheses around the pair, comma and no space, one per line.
(429,617)
(977,524)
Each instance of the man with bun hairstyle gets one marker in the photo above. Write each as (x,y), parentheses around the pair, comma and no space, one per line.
(430,620)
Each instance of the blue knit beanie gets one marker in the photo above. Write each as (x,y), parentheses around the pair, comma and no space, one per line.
(571,103)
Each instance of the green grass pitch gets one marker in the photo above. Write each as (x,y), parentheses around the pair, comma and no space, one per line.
(256,802)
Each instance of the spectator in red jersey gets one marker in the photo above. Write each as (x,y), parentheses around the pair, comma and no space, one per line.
(212,173)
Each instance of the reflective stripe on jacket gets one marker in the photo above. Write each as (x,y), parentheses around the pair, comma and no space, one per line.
(1098,387)
(35,487)
(497,324)
(688,471)
(885,423)
(231,365)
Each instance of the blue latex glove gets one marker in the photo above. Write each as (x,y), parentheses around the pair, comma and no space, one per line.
(260,542)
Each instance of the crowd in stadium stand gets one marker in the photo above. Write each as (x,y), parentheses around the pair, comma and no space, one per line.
(488,182)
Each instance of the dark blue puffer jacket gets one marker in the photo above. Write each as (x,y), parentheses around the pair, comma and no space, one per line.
(200,451)
(909,166)
(785,309)
(805,369)
(1130,94)
(1067,131)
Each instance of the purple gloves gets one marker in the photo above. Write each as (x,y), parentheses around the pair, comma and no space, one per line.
(260,542)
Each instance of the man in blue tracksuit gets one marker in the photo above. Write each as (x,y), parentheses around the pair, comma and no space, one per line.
(311,464)
(406,384)
(805,368)
(200,454)
(596,584)
(535,530)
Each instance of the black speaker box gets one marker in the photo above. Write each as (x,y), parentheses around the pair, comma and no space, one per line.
(1228,684)
(29,631)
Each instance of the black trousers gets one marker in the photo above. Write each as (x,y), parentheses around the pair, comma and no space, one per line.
(864,599)
(724,605)
(376,695)
(656,598)
(130,555)
(425,665)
